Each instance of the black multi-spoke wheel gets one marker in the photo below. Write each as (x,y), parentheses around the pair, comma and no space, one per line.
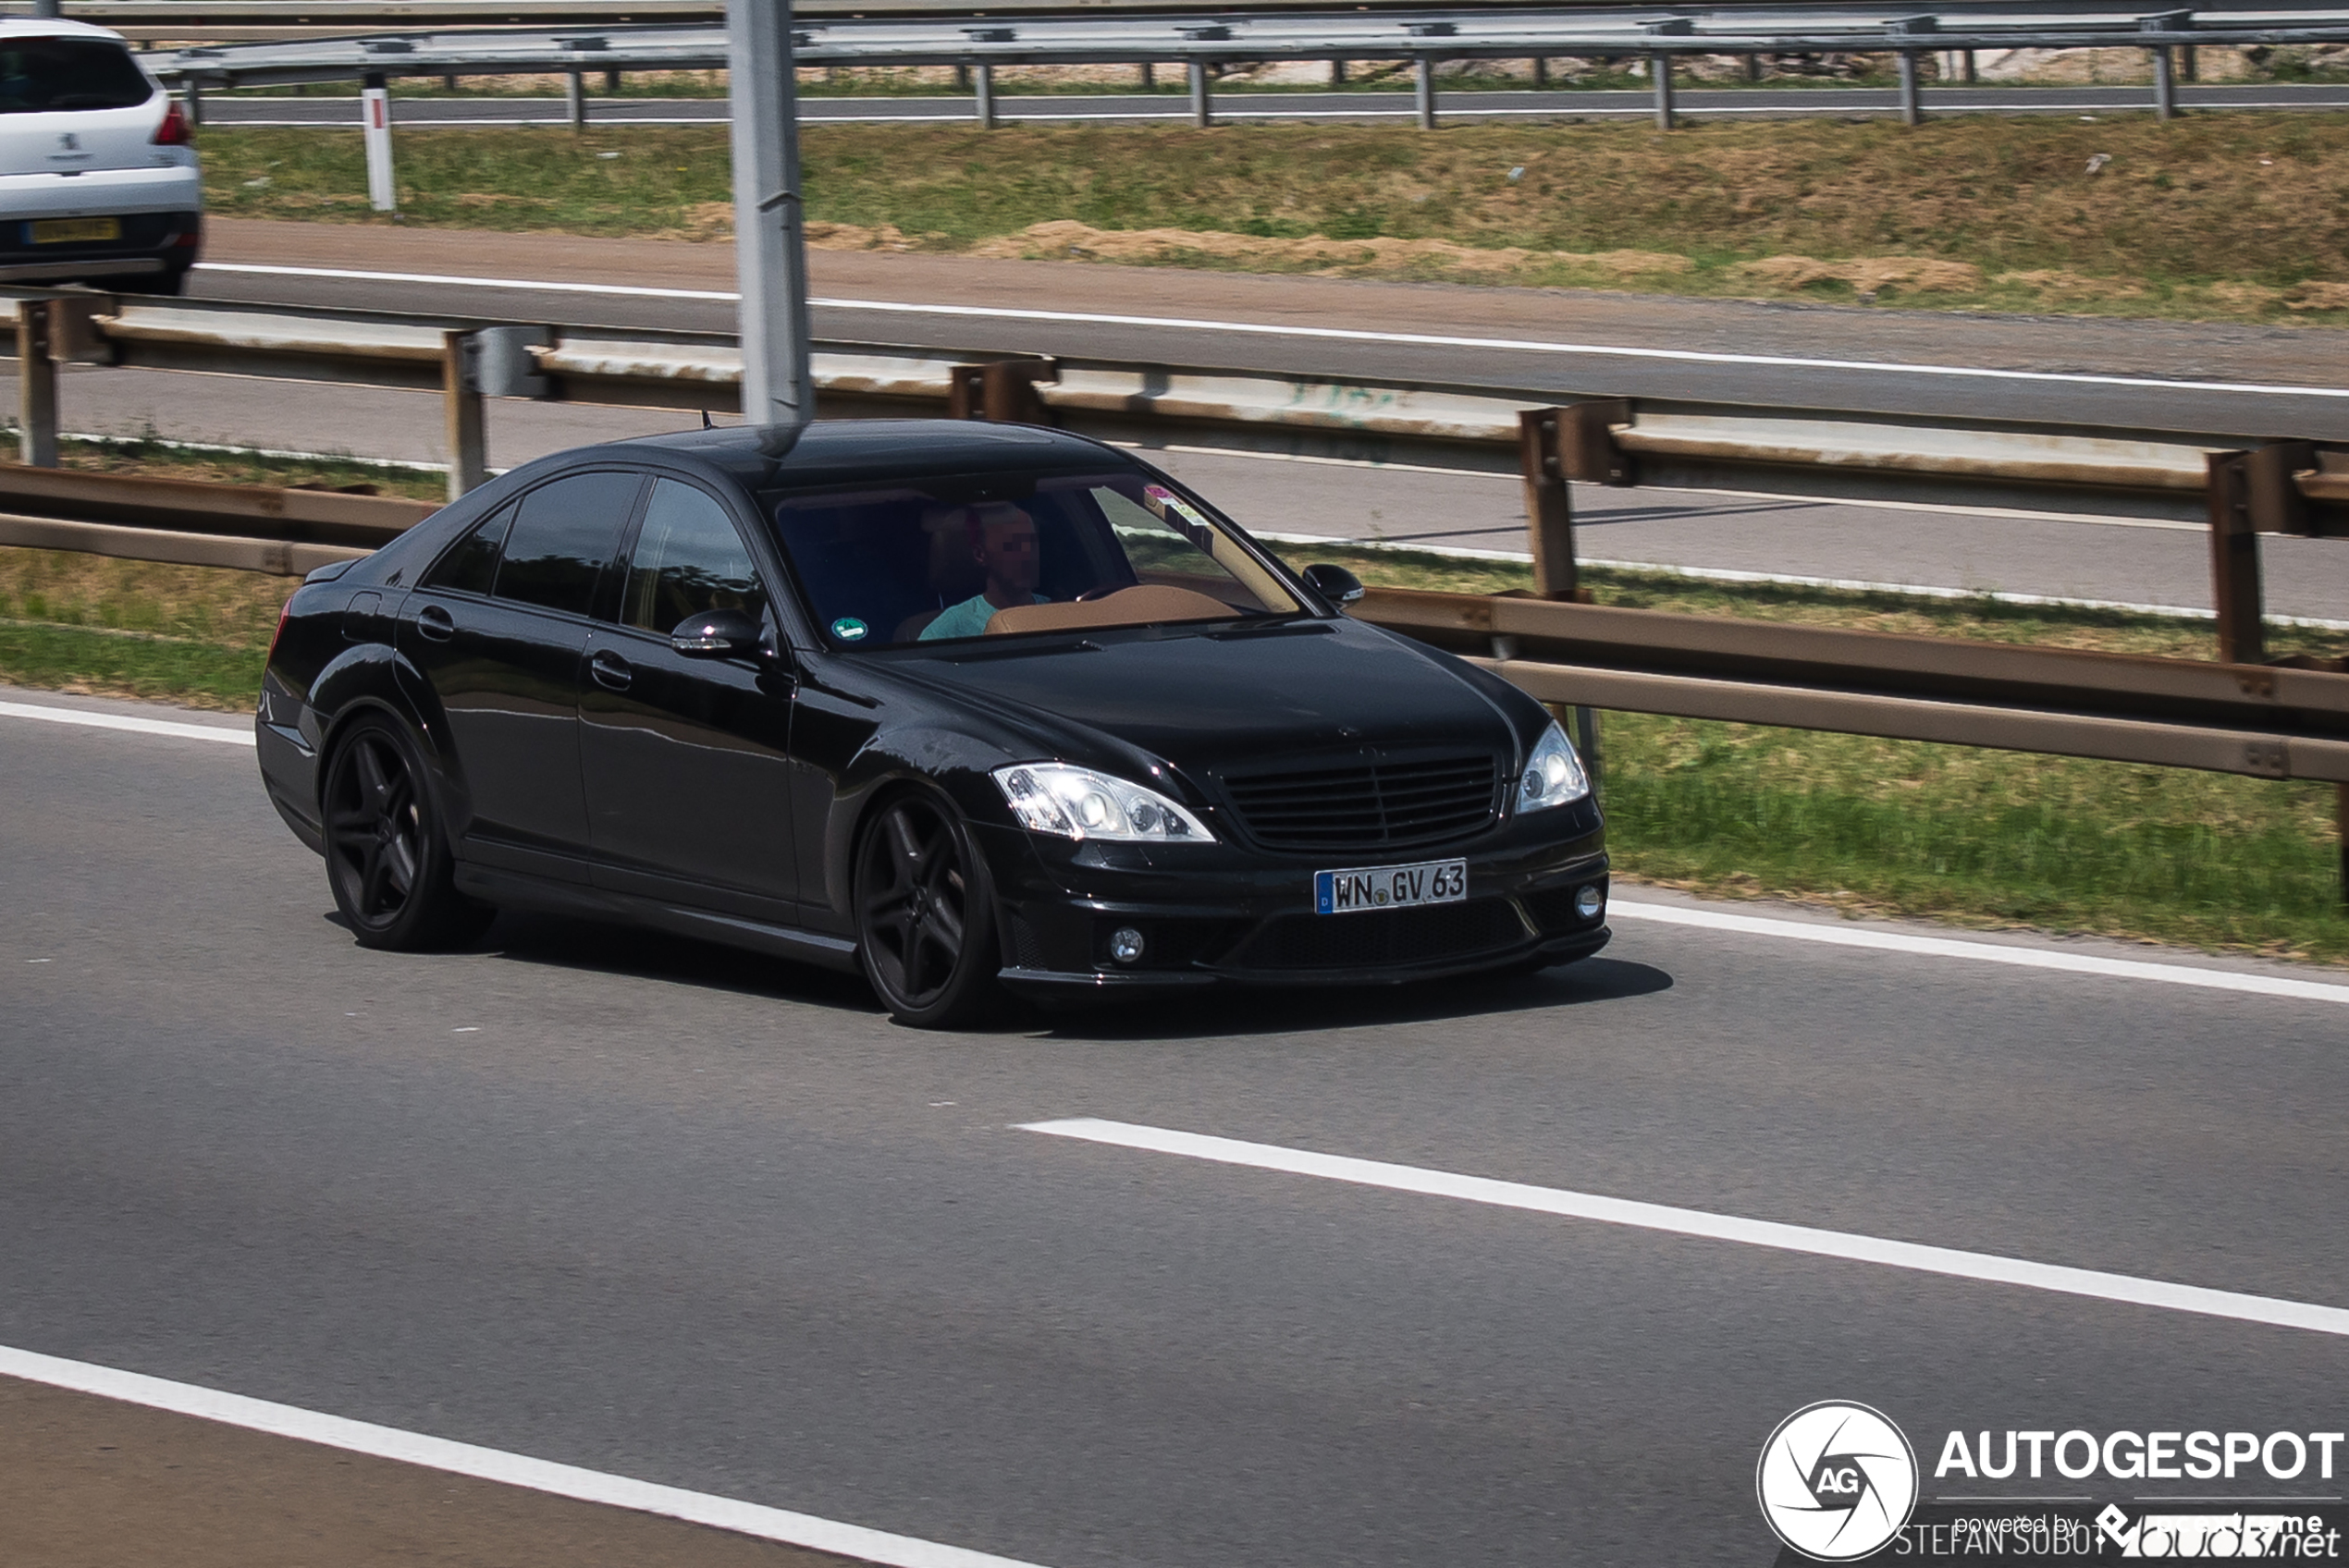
(386,855)
(925,914)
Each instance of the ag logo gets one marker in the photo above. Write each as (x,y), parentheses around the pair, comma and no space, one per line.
(1836,1481)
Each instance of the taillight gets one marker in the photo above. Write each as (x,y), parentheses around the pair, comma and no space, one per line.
(283,610)
(175,130)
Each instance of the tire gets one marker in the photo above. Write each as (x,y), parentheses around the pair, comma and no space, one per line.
(388,857)
(925,914)
(174,282)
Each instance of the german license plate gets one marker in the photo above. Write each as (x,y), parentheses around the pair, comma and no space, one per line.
(73,231)
(1390,887)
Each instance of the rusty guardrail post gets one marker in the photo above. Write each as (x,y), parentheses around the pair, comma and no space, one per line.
(2277,503)
(1549,504)
(967,392)
(36,386)
(1587,446)
(1001,390)
(2340,825)
(2234,562)
(1008,390)
(461,402)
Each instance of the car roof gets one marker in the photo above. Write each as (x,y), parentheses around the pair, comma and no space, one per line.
(852,450)
(53,27)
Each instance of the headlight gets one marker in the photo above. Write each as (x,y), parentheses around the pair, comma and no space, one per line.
(1552,774)
(1076,802)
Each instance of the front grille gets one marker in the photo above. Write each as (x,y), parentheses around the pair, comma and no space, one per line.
(1384,938)
(1363,804)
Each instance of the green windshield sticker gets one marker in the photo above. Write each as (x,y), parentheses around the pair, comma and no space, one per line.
(848,629)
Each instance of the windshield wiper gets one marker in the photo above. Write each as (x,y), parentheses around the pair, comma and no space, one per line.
(1081,645)
(1281,627)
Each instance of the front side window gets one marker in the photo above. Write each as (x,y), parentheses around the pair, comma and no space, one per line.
(950,559)
(563,537)
(688,561)
(41,75)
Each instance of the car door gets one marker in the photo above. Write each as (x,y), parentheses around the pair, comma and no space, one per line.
(687,758)
(497,629)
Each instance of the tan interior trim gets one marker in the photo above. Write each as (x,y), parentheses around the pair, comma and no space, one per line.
(1142,605)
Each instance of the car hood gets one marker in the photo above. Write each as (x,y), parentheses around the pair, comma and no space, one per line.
(1207,701)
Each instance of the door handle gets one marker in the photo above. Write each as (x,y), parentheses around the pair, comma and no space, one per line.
(610,670)
(435,624)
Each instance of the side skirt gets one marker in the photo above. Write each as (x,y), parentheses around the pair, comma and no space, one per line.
(510,889)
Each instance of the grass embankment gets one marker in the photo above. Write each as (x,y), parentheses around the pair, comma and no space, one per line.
(2238,216)
(1977,838)
(139,629)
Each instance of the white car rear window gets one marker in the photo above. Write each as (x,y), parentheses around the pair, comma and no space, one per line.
(46,75)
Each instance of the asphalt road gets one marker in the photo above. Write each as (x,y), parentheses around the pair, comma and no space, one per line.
(710,1220)
(1359,106)
(2194,377)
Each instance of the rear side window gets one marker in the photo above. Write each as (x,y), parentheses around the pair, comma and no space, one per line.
(38,75)
(471,566)
(561,538)
(688,561)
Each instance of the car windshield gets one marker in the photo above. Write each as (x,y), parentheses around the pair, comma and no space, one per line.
(38,75)
(997,555)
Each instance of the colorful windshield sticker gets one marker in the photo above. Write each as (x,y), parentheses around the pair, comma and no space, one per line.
(1186,520)
(848,629)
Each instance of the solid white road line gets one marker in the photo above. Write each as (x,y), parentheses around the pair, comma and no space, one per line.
(1337,334)
(494,1464)
(1986,1267)
(1982,952)
(124,721)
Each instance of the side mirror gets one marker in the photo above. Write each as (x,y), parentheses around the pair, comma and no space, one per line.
(716,635)
(1334,584)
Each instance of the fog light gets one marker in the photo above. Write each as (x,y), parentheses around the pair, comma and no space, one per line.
(1589,900)
(1126,944)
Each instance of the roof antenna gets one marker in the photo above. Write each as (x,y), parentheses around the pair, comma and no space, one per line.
(704,421)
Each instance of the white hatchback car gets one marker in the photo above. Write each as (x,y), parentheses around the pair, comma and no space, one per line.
(98,177)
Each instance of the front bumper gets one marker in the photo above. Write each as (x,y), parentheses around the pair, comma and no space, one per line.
(1223,913)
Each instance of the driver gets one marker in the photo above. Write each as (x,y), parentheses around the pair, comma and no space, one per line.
(1003,542)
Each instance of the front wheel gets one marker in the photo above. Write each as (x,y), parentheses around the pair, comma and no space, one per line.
(387,856)
(925,914)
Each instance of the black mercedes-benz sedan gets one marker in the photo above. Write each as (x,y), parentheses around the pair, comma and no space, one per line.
(967,705)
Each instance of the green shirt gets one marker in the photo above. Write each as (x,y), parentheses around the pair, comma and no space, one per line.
(968,619)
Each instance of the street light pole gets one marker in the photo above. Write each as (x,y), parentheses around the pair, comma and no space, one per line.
(770,257)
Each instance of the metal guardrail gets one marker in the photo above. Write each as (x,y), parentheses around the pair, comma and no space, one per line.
(2252,719)
(1814,453)
(1426,39)
(2244,486)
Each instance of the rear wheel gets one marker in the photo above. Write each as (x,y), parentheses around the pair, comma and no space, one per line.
(387,856)
(925,914)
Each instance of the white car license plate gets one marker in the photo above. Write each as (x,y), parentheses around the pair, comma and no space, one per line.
(71,231)
(1390,887)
